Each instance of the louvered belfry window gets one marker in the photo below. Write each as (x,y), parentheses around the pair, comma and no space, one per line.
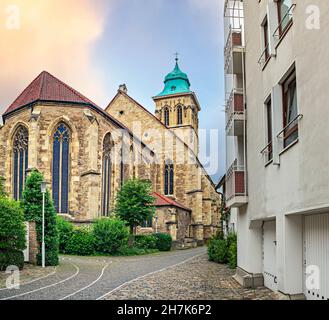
(20,165)
(179,115)
(61,156)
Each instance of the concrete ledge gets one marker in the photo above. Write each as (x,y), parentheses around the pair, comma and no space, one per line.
(249,280)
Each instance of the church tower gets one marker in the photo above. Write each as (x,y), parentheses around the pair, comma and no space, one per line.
(177,107)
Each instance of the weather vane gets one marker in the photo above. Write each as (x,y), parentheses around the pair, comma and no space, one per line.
(176,55)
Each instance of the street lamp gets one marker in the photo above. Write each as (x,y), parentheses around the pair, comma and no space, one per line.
(43,191)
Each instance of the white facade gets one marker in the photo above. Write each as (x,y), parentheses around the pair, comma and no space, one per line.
(287,165)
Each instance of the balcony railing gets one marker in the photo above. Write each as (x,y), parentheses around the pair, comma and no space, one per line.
(236,181)
(234,106)
(234,39)
(284,23)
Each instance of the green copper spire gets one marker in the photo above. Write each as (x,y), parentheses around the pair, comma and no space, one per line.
(176,82)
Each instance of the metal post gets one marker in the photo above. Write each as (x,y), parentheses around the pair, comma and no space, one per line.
(43,232)
(43,249)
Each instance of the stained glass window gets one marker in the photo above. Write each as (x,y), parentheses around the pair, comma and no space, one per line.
(61,156)
(20,156)
(106,175)
(169,179)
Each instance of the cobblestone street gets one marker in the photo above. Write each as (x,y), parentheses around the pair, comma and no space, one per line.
(196,279)
(181,275)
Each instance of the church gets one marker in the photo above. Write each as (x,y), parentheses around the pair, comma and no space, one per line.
(86,153)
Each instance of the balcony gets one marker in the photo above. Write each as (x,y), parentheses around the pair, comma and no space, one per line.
(236,190)
(234,51)
(235,113)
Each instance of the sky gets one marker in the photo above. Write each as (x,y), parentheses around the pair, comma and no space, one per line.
(96,45)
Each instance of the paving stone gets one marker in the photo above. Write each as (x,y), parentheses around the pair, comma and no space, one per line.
(198,279)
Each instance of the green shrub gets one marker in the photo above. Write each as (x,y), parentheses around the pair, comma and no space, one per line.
(145,241)
(65,231)
(164,241)
(32,207)
(11,258)
(133,251)
(232,250)
(218,251)
(233,255)
(2,187)
(81,242)
(109,235)
(12,234)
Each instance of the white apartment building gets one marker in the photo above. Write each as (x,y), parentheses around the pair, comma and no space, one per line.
(276,70)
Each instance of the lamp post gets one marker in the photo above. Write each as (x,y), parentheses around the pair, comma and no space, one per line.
(43,191)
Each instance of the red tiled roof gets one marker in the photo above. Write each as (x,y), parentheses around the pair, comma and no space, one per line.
(161,201)
(46,87)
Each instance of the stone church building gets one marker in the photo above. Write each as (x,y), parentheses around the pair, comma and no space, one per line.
(86,153)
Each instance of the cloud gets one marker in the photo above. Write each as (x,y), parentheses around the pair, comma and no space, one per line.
(53,35)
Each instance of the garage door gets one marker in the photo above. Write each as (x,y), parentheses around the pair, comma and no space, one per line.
(316,257)
(269,255)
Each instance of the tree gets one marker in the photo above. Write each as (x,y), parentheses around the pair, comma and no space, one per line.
(135,203)
(2,187)
(12,234)
(32,207)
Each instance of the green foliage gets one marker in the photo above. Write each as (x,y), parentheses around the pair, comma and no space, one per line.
(11,258)
(109,235)
(224,250)
(133,251)
(32,207)
(145,241)
(218,251)
(65,231)
(164,241)
(233,255)
(2,188)
(134,203)
(81,242)
(12,234)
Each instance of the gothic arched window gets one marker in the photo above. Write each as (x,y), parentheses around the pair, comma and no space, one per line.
(106,175)
(179,115)
(20,156)
(61,156)
(169,179)
(166,116)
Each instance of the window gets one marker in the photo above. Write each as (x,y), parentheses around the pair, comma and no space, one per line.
(107,174)
(166,116)
(60,184)
(269,130)
(20,156)
(290,110)
(147,223)
(266,40)
(284,15)
(179,115)
(169,179)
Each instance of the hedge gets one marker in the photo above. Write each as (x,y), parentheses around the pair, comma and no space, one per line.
(81,242)
(109,235)
(12,234)
(145,241)
(65,231)
(164,241)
